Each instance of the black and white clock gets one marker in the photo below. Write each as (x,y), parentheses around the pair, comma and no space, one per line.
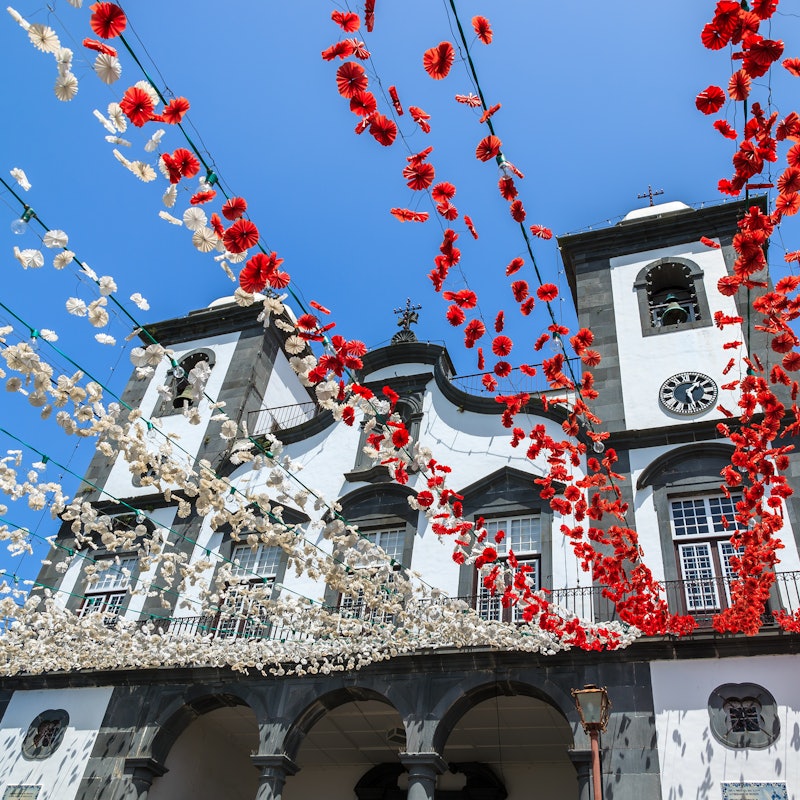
(688,393)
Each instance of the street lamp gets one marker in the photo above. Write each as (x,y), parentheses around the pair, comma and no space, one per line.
(593,706)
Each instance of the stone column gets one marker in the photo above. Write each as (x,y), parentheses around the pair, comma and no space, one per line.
(274,771)
(582,761)
(143,771)
(422,771)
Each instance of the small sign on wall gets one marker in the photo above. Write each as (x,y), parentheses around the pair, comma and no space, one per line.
(754,791)
(21,792)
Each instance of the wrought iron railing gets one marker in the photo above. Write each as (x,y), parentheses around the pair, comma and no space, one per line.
(514,383)
(280,418)
(700,598)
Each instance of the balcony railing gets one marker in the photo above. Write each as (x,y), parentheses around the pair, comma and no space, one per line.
(699,598)
(280,418)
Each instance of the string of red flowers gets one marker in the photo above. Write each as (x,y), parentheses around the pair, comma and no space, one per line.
(757,464)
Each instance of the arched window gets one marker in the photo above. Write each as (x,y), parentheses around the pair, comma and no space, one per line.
(671,296)
(179,380)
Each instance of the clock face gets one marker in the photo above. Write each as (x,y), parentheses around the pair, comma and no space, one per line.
(688,393)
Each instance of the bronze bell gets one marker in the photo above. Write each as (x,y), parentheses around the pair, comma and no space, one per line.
(184,399)
(674,313)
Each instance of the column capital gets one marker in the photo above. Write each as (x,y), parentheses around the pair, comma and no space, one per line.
(143,770)
(274,764)
(429,764)
(581,759)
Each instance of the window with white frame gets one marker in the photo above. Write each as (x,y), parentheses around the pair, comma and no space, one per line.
(392,542)
(701,529)
(242,612)
(107,594)
(523,537)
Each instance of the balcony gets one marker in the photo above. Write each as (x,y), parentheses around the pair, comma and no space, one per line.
(700,598)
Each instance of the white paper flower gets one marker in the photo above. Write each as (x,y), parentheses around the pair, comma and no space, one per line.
(170,196)
(76,307)
(66,87)
(75,3)
(227,270)
(152,142)
(43,38)
(64,59)
(194,218)
(13,384)
(87,270)
(107,67)
(20,20)
(48,335)
(29,258)
(204,239)
(229,429)
(235,258)
(117,117)
(62,259)
(140,301)
(105,338)
(21,178)
(55,238)
(118,140)
(294,345)
(169,218)
(98,316)
(144,172)
(106,123)
(107,285)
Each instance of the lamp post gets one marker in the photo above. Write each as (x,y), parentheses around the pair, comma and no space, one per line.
(593,706)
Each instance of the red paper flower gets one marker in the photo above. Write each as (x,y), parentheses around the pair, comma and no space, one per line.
(100,47)
(343,49)
(382,129)
(515,265)
(363,104)
(709,242)
(407,215)
(591,358)
(488,148)
(216,225)
(419,176)
(787,204)
(470,226)
(447,210)
(455,316)
(398,107)
(507,188)
(136,104)
(547,292)
(198,198)
(234,207)
(443,192)
(474,330)
(764,9)
(710,100)
(502,369)
(174,110)
(482,28)
(501,346)
(369,14)
(420,117)
(517,211)
(490,112)
(279,280)
(739,85)
(254,274)
(791,362)
(793,65)
(520,290)
(400,437)
(471,100)
(489,383)
(438,60)
(108,20)
(464,298)
(713,38)
(346,20)
(789,181)
(359,48)
(725,129)
(541,232)
(481,360)
(185,162)
(350,78)
(240,236)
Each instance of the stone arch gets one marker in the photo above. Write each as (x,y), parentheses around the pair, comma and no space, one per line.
(323,704)
(713,455)
(453,708)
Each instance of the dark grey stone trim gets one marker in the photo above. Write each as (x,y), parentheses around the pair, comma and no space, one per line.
(203,322)
(406,353)
(667,462)
(370,503)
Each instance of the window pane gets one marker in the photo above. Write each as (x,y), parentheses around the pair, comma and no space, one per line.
(689,517)
(392,542)
(522,534)
(723,507)
(698,575)
(534,577)
(115,576)
(262,561)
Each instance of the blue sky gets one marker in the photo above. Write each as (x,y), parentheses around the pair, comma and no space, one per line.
(597,104)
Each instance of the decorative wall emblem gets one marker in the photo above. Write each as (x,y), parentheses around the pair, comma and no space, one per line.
(743,715)
(45,734)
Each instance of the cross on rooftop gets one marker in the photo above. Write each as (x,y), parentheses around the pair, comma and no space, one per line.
(408,317)
(651,193)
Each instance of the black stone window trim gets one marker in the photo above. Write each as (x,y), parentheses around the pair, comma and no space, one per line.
(45,734)
(695,296)
(743,716)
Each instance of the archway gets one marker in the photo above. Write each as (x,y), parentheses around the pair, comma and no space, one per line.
(210,758)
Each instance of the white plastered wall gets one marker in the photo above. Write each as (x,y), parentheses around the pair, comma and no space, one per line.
(693,763)
(59,775)
(647,361)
